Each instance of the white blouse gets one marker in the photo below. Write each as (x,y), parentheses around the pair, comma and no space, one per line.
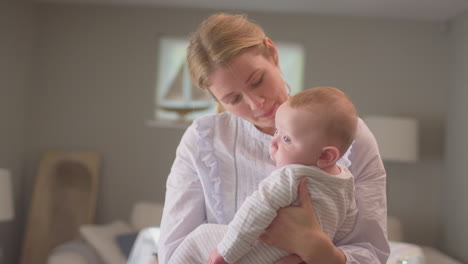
(222,158)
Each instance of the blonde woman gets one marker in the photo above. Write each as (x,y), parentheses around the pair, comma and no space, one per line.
(222,158)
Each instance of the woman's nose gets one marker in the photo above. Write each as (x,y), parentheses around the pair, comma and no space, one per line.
(256,100)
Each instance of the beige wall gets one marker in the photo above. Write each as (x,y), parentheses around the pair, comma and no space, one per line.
(97,75)
(16,44)
(94,73)
(454,216)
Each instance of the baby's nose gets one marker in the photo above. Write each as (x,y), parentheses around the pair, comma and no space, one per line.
(273,145)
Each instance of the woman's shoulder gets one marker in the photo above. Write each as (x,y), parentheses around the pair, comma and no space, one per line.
(364,142)
(206,135)
(363,133)
(212,129)
(213,124)
(364,156)
(212,120)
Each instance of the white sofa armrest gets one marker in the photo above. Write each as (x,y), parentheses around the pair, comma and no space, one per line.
(74,252)
(146,214)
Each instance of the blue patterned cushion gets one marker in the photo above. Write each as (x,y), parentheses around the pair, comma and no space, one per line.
(125,243)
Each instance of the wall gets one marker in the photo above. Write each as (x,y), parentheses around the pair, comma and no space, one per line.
(97,73)
(454,234)
(16,42)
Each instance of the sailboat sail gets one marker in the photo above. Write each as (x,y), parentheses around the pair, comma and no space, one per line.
(176,91)
(182,97)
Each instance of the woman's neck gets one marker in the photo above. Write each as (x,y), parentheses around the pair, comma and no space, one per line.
(267,130)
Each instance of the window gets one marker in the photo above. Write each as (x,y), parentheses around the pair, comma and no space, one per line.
(291,60)
(178,100)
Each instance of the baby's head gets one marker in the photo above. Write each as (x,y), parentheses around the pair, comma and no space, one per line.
(314,127)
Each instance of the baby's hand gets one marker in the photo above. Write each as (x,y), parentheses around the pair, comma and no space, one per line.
(216,258)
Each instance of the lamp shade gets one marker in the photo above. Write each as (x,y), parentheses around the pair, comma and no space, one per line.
(397,137)
(6,196)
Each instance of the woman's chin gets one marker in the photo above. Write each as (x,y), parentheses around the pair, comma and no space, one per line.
(266,126)
(266,129)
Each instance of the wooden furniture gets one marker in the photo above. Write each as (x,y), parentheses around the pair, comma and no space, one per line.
(64,198)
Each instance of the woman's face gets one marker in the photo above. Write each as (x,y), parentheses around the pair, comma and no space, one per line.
(251,87)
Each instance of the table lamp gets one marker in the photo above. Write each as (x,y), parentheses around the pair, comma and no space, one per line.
(6,196)
(6,200)
(397,137)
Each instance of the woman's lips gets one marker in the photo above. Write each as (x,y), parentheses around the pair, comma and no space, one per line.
(269,113)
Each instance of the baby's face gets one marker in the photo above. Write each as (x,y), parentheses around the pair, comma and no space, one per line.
(297,138)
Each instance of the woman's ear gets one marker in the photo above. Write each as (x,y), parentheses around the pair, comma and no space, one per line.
(271,49)
(329,156)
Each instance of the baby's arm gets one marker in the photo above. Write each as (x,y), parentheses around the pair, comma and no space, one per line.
(216,258)
(257,212)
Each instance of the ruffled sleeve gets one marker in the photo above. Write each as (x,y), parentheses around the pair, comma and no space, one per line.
(209,169)
(184,206)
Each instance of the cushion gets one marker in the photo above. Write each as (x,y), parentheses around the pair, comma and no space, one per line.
(146,214)
(125,242)
(102,239)
(66,257)
(74,252)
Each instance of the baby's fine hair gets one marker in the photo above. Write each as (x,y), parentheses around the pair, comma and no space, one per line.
(336,111)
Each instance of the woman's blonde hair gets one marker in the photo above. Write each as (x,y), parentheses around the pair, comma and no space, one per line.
(217,40)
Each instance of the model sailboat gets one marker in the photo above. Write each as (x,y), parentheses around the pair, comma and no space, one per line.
(183,98)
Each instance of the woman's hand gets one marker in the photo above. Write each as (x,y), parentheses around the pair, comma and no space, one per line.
(216,258)
(297,230)
(293,224)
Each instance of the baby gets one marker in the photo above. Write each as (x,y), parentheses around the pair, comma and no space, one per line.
(314,129)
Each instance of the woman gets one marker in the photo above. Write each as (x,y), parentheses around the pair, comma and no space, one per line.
(222,158)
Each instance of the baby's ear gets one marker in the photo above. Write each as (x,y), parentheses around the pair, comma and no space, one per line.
(329,156)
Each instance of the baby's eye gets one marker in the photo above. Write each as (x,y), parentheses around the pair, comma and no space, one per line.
(286,139)
(276,131)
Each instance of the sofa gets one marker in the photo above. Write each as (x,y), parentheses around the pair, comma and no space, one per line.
(135,242)
(108,243)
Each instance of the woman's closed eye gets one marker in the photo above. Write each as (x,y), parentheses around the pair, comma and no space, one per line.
(236,99)
(257,83)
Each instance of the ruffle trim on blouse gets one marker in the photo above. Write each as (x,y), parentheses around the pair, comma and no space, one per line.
(206,152)
(345,161)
